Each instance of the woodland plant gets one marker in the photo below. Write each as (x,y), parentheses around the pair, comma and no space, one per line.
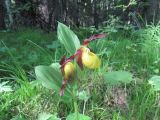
(63,77)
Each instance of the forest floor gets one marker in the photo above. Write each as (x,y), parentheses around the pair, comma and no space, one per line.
(136,51)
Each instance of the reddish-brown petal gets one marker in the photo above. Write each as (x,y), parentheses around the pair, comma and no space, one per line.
(79,62)
(97,36)
(79,58)
(94,37)
(72,57)
(62,90)
(63,59)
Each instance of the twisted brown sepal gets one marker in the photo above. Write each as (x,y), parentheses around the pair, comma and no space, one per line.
(94,37)
(63,59)
(79,58)
(64,83)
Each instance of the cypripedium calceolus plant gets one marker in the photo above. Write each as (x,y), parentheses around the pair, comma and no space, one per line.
(85,58)
(65,71)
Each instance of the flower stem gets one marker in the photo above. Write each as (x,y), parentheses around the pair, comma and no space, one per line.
(84,106)
(75,104)
(76,109)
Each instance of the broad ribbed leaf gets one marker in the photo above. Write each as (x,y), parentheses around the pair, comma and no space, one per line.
(155,82)
(49,77)
(68,38)
(117,77)
(47,116)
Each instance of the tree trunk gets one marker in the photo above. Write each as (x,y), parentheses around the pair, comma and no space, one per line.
(77,13)
(64,10)
(95,13)
(9,13)
(153,11)
(2,16)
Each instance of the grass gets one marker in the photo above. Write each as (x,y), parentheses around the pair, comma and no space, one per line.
(134,52)
(22,45)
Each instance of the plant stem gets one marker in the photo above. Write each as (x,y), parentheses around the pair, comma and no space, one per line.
(76,108)
(84,107)
(75,104)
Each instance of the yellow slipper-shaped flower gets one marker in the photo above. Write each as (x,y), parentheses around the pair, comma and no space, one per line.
(68,70)
(89,59)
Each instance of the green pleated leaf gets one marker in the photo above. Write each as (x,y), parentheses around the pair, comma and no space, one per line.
(155,82)
(117,77)
(68,38)
(47,116)
(73,116)
(49,77)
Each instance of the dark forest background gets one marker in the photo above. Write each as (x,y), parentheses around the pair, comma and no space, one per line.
(46,13)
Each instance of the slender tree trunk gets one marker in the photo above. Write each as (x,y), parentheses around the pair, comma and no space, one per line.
(9,13)
(77,13)
(158,11)
(153,11)
(95,13)
(64,10)
(2,16)
(50,18)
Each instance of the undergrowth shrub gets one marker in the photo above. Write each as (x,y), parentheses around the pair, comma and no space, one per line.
(148,54)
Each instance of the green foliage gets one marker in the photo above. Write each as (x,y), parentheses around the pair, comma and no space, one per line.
(54,45)
(73,116)
(141,102)
(117,77)
(46,116)
(148,40)
(111,25)
(27,46)
(68,38)
(4,87)
(83,95)
(131,3)
(18,117)
(49,77)
(155,82)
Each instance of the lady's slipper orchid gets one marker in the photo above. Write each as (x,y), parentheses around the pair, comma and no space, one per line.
(68,70)
(87,58)
(84,58)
